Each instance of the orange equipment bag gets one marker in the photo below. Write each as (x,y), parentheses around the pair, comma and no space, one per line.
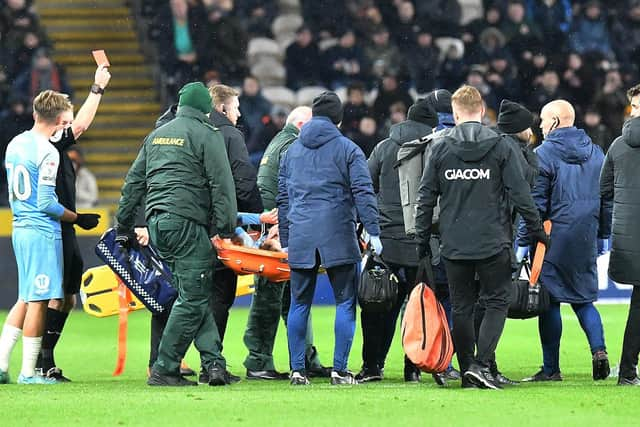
(426,337)
(243,260)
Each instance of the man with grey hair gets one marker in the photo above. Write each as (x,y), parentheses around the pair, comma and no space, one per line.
(271,300)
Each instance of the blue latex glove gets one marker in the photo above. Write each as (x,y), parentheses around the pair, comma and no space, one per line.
(521,252)
(603,246)
(376,244)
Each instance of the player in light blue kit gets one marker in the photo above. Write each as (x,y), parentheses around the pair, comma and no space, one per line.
(32,163)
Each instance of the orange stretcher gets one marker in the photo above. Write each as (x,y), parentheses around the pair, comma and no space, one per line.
(242,260)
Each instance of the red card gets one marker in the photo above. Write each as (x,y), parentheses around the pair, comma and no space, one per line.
(101,58)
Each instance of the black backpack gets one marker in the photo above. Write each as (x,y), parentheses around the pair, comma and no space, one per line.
(378,287)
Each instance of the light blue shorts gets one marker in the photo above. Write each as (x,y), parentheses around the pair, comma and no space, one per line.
(39,258)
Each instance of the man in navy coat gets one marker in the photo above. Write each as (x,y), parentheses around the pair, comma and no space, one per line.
(323,186)
(567,193)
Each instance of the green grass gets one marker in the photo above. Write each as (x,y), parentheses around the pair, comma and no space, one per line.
(95,398)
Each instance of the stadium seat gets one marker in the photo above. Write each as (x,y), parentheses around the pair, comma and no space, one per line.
(280,95)
(471,9)
(261,47)
(269,71)
(286,24)
(444,43)
(289,6)
(306,94)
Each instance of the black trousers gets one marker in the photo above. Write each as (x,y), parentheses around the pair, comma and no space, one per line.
(493,288)
(631,343)
(222,298)
(378,329)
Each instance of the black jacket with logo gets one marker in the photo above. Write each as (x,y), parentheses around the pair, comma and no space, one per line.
(477,176)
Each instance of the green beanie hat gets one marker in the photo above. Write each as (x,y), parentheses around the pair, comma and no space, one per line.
(195,95)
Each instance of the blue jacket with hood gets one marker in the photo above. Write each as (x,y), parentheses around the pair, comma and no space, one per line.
(323,187)
(567,192)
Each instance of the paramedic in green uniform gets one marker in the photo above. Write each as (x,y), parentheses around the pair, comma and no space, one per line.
(183,171)
(271,300)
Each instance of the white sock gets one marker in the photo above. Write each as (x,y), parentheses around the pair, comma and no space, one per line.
(30,350)
(8,339)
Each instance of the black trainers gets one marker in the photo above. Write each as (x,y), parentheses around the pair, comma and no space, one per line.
(635,381)
(56,373)
(266,375)
(299,378)
(156,379)
(203,377)
(342,378)
(468,384)
(185,370)
(541,376)
(367,375)
(502,380)
(481,377)
(219,376)
(411,374)
(452,374)
(233,378)
(440,378)
(600,363)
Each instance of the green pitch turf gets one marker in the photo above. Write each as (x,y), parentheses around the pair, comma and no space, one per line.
(87,353)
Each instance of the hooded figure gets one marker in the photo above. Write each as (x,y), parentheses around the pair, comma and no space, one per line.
(568,156)
(621,163)
(515,121)
(323,188)
(440,100)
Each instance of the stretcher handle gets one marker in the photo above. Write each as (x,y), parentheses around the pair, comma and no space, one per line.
(538,259)
(253,271)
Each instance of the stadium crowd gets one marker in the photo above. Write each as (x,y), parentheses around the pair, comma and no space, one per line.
(381,55)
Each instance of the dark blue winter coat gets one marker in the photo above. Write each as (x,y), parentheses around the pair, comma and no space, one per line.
(567,193)
(323,186)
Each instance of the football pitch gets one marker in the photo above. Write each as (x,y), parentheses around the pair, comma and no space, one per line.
(87,353)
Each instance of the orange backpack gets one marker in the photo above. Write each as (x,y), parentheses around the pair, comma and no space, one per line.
(426,338)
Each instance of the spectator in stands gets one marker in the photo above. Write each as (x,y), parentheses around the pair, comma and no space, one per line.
(301,61)
(271,125)
(390,93)
(471,33)
(554,18)
(366,137)
(452,69)
(22,55)
(625,32)
(491,42)
(424,62)
(253,106)
(4,87)
(404,31)
(42,75)
(257,16)
(326,18)
(345,62)
(354,109)
(224,43)
(517,28)
(13,122)
(476,79)
(599,133)
(546,90)
(382,55)
(590,32)
(532,65)
(176,32)
(86,183)
(502,77)
(576,78)
(611,100)
(367,20)
(442,17)
(397,114)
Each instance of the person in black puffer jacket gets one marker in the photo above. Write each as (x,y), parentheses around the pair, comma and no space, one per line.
(619,186)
